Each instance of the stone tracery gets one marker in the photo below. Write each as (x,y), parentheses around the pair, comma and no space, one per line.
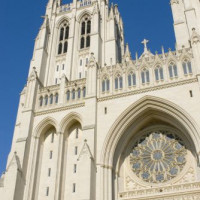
(158,157)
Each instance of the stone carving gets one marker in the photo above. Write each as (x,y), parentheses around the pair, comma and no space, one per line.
(158,157)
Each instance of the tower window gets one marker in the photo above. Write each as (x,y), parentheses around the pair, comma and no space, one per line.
(41,101)
(63,39)
(79,93)
(57,69)
(75,168)
(65,47)
(74,188)
(49,172)
(51,155)
(191,93)
(56,98)
(63,67)
(46,100)
(68,95)
(105,110)
(77,133)
(84,92)
(76,151)
(47,191)
(85,32)
(73,94)
(51,99)
(52,138)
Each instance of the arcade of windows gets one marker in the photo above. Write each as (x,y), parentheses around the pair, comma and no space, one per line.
(84,36)
(52,99)
(145,75)
(70,95)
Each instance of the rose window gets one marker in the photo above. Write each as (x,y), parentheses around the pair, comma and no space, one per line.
(158,157)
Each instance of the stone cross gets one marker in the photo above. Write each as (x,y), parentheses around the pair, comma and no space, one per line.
(145,44)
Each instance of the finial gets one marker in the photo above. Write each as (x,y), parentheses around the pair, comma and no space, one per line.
(163,50)
(136,56)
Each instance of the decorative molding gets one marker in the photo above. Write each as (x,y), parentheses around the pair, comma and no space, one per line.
(60,109)
(85,151)
(174,1)
(150,89)
(21,140)
(195,37)
(188,191)
(89,127)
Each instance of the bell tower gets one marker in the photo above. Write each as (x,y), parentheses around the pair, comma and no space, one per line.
(186,14)
(70,33)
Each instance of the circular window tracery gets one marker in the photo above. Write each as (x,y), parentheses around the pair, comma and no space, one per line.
(158,157)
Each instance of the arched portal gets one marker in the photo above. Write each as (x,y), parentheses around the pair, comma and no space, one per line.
(125,176)
(46,156)
(72,141)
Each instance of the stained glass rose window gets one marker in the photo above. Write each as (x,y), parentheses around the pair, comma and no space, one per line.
(158,157)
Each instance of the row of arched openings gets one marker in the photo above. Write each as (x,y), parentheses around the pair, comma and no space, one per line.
(49,99)
(70,95)
(84,35)
(145,75)
(76,94)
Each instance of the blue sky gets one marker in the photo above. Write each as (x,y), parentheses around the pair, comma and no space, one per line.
(20,22)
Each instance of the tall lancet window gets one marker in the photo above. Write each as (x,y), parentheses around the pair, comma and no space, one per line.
(63,38)
(85,32)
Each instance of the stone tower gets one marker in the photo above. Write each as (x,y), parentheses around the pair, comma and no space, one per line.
(95,124)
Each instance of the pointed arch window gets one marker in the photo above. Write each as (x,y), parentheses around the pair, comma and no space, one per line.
(79,93)
(51,99)
(46,100)
(85,32)
(84,92)
(173,71)
(131,79)
(56,98)
(159,75)
(41,101)
(118,82)
(145,76)
(187,67)
(63,38)
(105,85)
(68,95)
(73,94)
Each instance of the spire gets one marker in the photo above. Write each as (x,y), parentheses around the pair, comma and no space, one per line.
(127,52)
(111,14)
(163,52)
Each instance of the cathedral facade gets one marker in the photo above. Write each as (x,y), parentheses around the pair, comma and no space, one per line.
(95,124)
